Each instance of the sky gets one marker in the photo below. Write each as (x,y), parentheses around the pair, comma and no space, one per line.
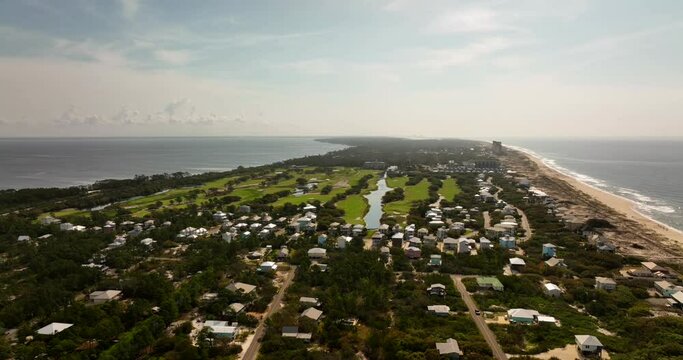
(415,68)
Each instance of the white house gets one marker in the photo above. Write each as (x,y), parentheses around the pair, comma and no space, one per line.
(100,297)
(312,313)
(588,345)
(54,328)
(343,241)
(439,310)
(241,287)
(317,253)
(449,349)
(221,329)
(267,266)
(551,289)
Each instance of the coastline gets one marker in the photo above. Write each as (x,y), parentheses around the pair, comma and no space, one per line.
(622,205)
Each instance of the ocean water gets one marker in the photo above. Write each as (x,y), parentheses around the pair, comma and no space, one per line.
(62,162)
(648,172)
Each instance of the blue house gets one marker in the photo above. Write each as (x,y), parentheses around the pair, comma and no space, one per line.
(507,242)
(322,239)
(549,250)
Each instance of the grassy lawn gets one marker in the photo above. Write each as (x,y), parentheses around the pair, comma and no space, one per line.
(340,180)
(412,194)
(355,207)
(449,189)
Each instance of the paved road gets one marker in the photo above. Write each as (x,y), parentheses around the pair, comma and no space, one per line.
(528,232)
(274,306)
(488,335)
(487,219)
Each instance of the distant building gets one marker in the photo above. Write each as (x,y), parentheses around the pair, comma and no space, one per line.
(497,147)
(376,165)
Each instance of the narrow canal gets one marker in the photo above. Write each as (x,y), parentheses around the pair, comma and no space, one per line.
(372,218)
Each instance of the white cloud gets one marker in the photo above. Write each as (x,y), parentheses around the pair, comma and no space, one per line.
(173,57)
(310,66)
(444,58)
(130,8)
(468,20)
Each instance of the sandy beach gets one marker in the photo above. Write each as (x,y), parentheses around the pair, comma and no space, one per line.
(662,241)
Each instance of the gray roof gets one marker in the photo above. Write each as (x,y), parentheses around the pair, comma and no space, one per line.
(312,313)
(449,347)
(587,340)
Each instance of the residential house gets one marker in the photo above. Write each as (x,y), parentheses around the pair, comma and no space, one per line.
(66,226)
(555,262)
(343,241)
(377,239)
(283,255)
(293,332)
(385,251)
(484,243)
(241,288)
(654,268)
(147,242)
(437,289)
(309,301)
(588,345)
(489,283)
(322,239)
(435,260)
(267,267)
(604,283)
(101,297)
(413,252)
(221,329)
(236,307)
(517,264)
(415,242)
(552,290)
(463,246)
(667,289)
(383,229)
(507,242)
(358,230)
(441,233)
(450,244)
(549,250)
(449,349)
(439,310)
(677,299)
(49,220)
(522,316)
(429,240)
(317,253)
(397,239)
(53,329)
(312,313)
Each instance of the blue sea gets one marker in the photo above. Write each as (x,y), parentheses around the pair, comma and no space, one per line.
(62,162)
(648,172)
